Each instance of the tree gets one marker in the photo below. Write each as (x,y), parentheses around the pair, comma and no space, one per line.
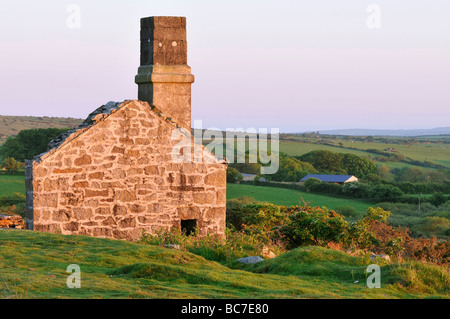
(311,182)
(358,166)
(28,143)
(385,193)
(291,169)
(411,174)
(11,165)
(340,163)
(325,161)
(385,172)
(233,175)
(438,199)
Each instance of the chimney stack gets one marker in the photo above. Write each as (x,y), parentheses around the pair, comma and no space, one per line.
(164,78)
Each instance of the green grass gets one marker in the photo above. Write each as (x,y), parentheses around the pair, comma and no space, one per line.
(289,197)
(33,265)
(315,263)
(300,148)
(11,184)
(438,153)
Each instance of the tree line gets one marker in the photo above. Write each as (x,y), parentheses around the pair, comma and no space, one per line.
(25,145)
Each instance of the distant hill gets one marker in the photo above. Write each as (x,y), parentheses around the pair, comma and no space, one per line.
(11,125)
(375,132)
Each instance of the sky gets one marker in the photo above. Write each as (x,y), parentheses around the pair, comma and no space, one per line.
(288,64)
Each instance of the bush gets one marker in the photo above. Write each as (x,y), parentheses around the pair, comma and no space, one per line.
(11,165)
(310,182)
(435,225)
(314,226)
(438,199)
(385,193)
(356,190)
(261,220)
(233,175)
(325,188)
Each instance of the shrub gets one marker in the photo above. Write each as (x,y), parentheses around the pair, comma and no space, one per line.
(233,175)
(310,182)
(438,199)
(314,226)
(386,193)
(261,220)
(11,165)
(435,225)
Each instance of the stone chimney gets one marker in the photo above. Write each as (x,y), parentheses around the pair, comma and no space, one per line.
(164,78)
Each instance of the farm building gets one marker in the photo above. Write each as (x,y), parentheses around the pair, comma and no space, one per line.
(337,179)
(116,175)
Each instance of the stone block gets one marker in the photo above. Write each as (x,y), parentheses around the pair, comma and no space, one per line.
(83,160)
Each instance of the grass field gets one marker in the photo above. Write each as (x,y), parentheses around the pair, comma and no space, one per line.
(34,265)
(11,184)
(288,197)
(437,153)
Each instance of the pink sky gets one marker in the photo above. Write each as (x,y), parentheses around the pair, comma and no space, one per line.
(283,64)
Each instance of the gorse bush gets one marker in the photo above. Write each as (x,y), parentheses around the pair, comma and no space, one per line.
(254,227)
(261,220)
(314,226)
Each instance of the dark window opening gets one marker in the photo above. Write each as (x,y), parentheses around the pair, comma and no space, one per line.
(188,226)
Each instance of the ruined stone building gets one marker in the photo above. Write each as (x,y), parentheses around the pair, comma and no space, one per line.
(115,175)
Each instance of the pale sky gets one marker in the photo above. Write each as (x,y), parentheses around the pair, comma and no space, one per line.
(293,65)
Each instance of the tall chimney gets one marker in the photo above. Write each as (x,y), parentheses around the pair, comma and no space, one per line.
(164,78)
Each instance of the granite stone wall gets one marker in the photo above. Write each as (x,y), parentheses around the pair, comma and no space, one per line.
(115,177)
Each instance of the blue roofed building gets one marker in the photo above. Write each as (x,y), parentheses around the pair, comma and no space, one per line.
(337,179)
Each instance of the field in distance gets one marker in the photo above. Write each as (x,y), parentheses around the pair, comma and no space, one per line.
(291,197)
(12,125)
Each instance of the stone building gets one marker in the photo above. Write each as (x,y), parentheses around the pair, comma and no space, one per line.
(119,174)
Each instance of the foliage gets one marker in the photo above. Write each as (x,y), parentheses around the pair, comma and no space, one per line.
(438,199)
(233,175)
(261,220)
(238,244)
(325,161)
(380,193)
(314,226)
(11,165)
(373,233)
(28,143)
(423,188)
(339,163)
(293,226)
(311,182)
(248,168)
(434,225)
(358,166)
(291,170)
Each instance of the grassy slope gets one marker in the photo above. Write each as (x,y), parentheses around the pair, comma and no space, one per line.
(288,197)
(33,265)
(11,184)
(438,153)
